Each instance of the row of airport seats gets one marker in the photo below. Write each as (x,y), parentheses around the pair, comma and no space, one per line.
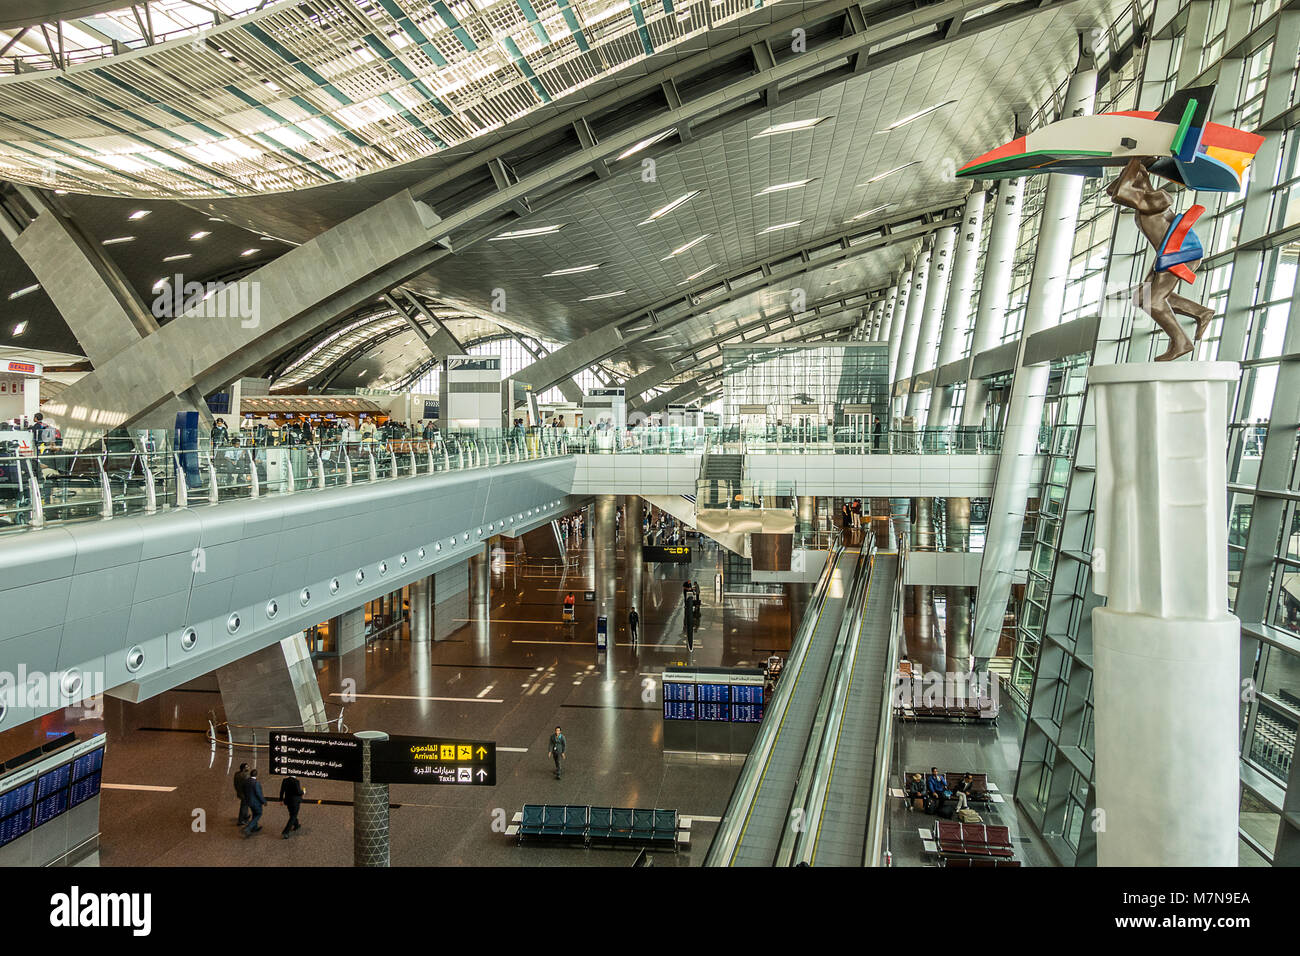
(974,844)
(980,783)
(951,704)
(599,825)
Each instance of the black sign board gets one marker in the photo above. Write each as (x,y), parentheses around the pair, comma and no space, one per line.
(434,760)
(319,756)
(589,595)
(677,554)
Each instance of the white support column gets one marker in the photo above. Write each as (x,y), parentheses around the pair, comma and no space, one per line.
(1165,648)
(990,317)
(1025,412)
(880,331)
(956,312)
(912,322)
(936,293)
(898,320)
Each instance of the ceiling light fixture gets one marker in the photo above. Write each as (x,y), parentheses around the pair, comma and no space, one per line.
(691,278)
(680,249)
(24,290)
(645,144)
(183,255)
(915,116)
(200,234)
(572,270)
(139,214)
(249,252)
(869,212)
(889,172)
(665,210)
(603,295)
(779,227)
(113,242)
(20,328)
(793,127)
(782,187)
(527,233)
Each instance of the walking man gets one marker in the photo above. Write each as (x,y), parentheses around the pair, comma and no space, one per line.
(241,785)
(633,619)
(291,794)
(256,801)
(556,749)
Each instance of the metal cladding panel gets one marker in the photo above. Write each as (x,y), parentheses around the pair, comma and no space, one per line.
(165,576)
(25,608)
(30,559)
(106,544)
(150,618)
(95,592)
(86,641)
(209,599)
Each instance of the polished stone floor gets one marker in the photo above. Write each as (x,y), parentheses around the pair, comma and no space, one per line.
(510,677)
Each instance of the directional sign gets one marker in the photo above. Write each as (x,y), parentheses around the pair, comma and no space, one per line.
(676,554)
(320,756)
(434,760)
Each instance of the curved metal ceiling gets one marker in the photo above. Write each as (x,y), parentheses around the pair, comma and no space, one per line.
(302,92)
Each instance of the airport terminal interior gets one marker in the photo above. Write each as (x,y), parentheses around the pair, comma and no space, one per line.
(643,433)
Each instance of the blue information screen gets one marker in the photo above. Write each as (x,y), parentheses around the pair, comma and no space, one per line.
(51,807)
(88,764)
(83,789)
(679,691)
(713,692)
(711,711)
(15,825)
(747,693)
(679,710)
(747,713)
(17,798)
(56,779)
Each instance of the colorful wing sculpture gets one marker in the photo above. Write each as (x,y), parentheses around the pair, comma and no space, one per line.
(1186,148)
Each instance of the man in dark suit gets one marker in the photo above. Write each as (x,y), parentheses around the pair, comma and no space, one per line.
(241,785)
(291,794)
(256,801)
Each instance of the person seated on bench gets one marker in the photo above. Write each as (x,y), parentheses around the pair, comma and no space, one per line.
(916,791)
(936,788)
(964,790)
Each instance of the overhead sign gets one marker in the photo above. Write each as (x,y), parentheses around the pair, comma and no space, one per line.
(677,554)
(473,363)
(25,368)
(320,756)
(434,760)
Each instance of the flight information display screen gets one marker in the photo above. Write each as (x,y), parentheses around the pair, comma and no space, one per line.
(88,764)
(83,789)
(15,825)
(679,710)
(56,779)
(17,799)
(51,807)
(747,693)
(712,711)
(675,691)
(747,713)
(718,693)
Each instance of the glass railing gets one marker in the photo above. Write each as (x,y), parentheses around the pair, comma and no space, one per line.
(738,493)
(116,479)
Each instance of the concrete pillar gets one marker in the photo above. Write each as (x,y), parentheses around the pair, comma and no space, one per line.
(273,687)
(480,569)
(956,310)
(957,626)
(1165,647)
(1046,297)
(352,630)
(898,319)
(421,601)
(605,554)
(451,600)
(912,323)
(957,524)
(936,293)
(923,524)
(807,513)
(885,319)
(370,842)
(995,285)
(633,564)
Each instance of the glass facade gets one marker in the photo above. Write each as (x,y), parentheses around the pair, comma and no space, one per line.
(1249,277)
(805,387)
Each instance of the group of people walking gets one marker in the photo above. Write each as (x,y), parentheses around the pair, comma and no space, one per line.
(252,801)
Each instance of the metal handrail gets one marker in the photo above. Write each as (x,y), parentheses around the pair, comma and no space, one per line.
(823,739)
(876,846)
(726,839)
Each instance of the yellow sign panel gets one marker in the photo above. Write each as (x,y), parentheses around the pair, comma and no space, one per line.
(447,752)
(464,752)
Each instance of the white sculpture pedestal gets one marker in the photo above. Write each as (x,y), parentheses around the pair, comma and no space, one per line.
(1165,649)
